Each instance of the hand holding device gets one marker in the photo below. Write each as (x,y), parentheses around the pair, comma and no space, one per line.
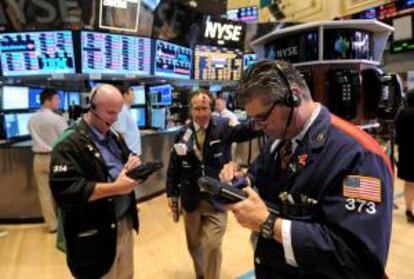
(142,172)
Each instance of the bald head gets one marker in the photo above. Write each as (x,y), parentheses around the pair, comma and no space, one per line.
(107,94)
(108,102)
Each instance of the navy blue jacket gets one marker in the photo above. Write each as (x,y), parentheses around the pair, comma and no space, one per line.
(345,234)
(183,171)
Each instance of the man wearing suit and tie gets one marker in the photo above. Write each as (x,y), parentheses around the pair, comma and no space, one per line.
(202,148)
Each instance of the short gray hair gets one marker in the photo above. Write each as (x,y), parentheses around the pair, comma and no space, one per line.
(264,79)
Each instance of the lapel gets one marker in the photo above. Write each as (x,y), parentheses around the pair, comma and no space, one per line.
(90,146)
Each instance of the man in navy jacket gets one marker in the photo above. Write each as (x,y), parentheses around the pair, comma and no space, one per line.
(331,182)
(202,148)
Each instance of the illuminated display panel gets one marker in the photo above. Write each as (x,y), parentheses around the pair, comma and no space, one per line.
(158,118)
(160,95)
(348,44)
(15,125)
(15,97)
(104,53)
(172,60)
(248,60)
(244,14)
(37,53)
(217,63)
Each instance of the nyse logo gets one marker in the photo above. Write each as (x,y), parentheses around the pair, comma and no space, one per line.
(287,52)
(222,32)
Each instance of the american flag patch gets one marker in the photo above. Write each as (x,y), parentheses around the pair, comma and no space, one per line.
(362,187)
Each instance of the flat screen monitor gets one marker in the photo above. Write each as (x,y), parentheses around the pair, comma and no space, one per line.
(139,94)
(37,53)
(15,97)
(217,63)
(244,14)
(348,44)
(104,53)
(15,125)
(139,116)
(158,118)
(299,47)
(172,60)
(34,98)
(72,97)
(248,60)
(160,95)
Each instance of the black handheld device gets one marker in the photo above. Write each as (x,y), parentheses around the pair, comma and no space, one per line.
(228,193)
(143,171)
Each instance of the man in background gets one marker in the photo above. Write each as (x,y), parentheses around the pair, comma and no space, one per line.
(202,147)
(222,110)
(45,126)
(126,124)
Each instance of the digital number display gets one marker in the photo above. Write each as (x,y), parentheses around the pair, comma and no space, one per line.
(172,60)
(104,53)
(217,63)
(37,53)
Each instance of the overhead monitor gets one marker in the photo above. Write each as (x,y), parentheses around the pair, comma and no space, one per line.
(139,94)
(15,125)
(296,48)
(217,63)
(172,60)
(160,95)
(15,97)
(348,44)
(158,118)
(37,53)
(244,14)
(139,115)
(105,53)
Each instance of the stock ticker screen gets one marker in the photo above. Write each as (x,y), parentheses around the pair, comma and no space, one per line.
(172,60)
(37,53)
(104,53)
(217,63)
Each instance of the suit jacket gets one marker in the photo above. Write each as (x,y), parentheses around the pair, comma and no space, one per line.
(184,170)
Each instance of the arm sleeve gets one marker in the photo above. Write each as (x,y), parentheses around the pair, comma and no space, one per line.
(354,240)
(69,186)
(173,173)
(241,132)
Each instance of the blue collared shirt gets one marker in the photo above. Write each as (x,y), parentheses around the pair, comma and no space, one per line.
(112,155)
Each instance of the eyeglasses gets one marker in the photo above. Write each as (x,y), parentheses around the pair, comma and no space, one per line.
(262,118)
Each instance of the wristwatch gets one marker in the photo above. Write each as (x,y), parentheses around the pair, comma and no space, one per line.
(266,229)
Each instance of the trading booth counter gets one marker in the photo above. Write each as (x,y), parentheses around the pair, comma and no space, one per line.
(18,192)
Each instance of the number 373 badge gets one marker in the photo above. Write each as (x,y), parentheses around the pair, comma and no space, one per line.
(362,193)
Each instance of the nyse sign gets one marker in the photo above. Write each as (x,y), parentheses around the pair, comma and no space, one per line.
(287,52)
(20,14)
(224,33)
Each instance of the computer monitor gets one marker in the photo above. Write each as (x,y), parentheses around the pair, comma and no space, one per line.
(15,97)
(139,115)
(37,53)
(115,54)
(160,95)
(139,94)
(158,118)
(172,60)
(217,63)
(71,97)
(34,98)
(15,125)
